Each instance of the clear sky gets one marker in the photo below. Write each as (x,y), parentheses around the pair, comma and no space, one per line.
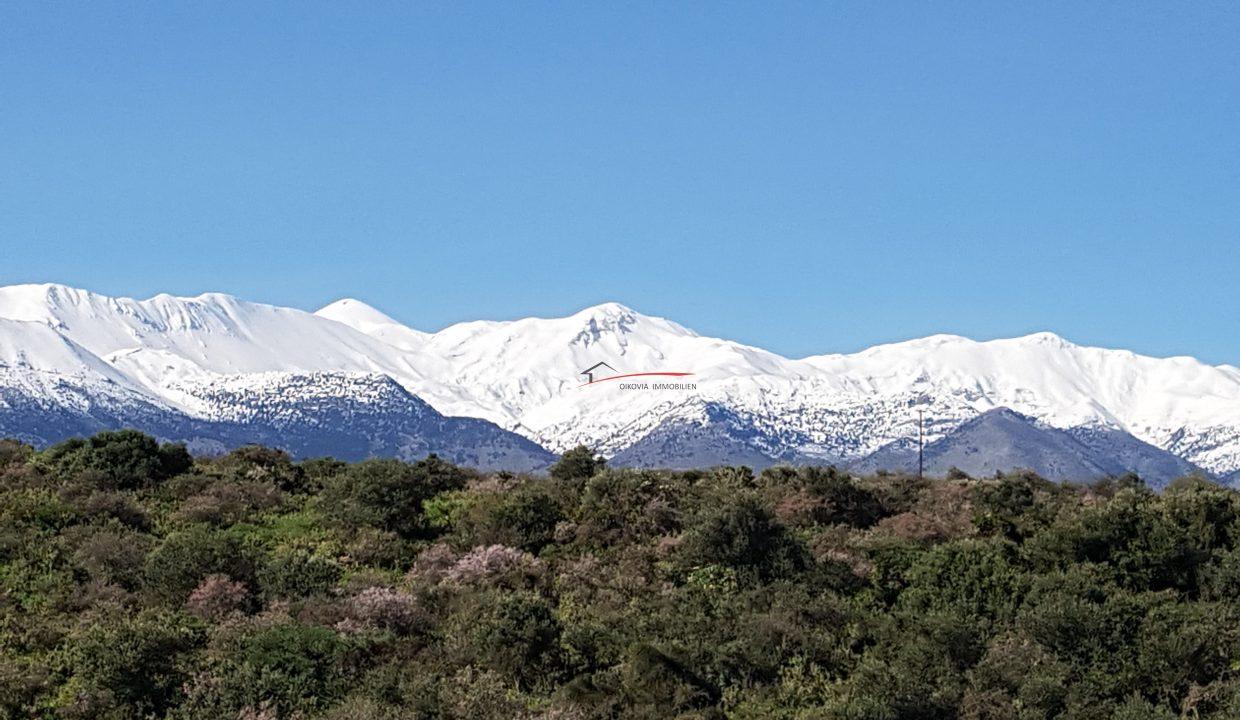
(809,178)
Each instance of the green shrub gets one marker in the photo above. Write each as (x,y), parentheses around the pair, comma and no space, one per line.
(577,464)
(619,506)
(112,553)
(1013,506)
(185,558)
(514,634)
(267,465)
(823,496)
(1144,546)
(389,494)
(125,459)
(127,667)
(743,534)
(525,517)
(288,669)
(971,578)
(296,574)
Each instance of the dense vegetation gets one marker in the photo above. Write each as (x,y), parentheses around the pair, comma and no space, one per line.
(137,582)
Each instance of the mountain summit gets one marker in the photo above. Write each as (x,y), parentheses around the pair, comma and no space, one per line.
(72,351)
(355,314)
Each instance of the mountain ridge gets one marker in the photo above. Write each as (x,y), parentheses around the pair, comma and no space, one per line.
(524,375)
(1002,439)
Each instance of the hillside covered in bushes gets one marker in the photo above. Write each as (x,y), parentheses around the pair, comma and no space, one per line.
(138,582)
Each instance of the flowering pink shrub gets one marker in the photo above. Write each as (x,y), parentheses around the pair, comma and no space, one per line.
(216,597)
(493,561)
(380,608)
(433,563)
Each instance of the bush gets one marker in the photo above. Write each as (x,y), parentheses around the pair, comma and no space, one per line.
(1013,506)
(513,633)
(113,554)
(744,535)
(656,682)
(821,496)
(577,464)
(125,459)
(968,578)
(216,597)
(102,504)
(287,669)
(1016,673)
(621,506)
(381,608)
(525,517)
(185,558)
(127,668)
(296,574)
(225,502)
(14,452)
(388,494)
(495,563)
(1144,546)
(265,465)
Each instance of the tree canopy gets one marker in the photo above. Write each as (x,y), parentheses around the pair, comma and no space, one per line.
(137,582)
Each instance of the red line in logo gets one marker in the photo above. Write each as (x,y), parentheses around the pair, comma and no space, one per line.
(629,375)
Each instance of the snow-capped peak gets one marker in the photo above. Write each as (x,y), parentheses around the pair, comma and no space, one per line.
(39,302)
(613,309)
(1045,338)
(375,323)
(613,317)
(214,332)
(355,314)
(525,374)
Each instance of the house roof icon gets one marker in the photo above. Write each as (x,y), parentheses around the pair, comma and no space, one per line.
(589,372)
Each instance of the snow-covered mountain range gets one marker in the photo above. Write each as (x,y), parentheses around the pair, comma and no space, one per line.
(73,359)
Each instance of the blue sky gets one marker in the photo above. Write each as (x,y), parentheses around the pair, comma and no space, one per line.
(804,177)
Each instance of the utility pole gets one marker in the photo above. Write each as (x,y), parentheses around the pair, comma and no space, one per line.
(921,439)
